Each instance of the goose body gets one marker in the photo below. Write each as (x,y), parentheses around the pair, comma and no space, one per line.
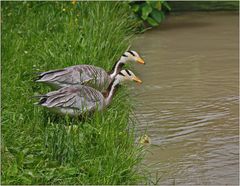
(89,75)
(77,75)
(76,100)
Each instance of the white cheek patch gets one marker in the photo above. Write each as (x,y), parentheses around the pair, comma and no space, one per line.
(126,54)
(135,54)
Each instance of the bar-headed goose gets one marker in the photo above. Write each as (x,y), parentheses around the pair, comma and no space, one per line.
(87,74)
(76,100)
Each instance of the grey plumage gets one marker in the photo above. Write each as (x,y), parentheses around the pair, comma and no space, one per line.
(79,99)
(77,75)
(73,100)
(87,74)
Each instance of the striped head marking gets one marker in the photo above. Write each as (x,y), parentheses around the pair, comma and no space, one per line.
(126,74)
(132,56)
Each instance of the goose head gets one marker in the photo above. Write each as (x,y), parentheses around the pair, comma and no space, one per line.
(126,75)
(122,76)
(127,57)
(131,56)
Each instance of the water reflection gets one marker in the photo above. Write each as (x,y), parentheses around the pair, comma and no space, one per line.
(188,102)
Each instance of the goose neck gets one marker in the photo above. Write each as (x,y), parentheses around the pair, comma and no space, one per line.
(116,69)
(111,90)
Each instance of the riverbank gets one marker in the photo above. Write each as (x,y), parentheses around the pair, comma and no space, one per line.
(39,147)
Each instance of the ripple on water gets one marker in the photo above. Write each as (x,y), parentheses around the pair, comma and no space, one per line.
(188,103)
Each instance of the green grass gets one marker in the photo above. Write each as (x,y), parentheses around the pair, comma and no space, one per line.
(38,147)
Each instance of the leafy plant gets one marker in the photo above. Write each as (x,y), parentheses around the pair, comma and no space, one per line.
(152,12)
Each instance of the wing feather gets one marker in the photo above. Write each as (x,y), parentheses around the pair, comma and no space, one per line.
(80,74)
(80,99)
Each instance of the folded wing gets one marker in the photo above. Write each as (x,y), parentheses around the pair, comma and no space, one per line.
(73,100)
(76,75)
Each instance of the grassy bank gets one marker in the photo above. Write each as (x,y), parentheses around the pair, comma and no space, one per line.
(38,147)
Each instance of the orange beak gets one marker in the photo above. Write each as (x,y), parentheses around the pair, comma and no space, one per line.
(137,80)
(140,60)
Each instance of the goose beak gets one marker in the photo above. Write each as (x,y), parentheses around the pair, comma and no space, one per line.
(139,81)
(140,60)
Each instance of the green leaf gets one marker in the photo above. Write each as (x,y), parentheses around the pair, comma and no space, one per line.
(146,10)
(157,15)
(148,2)
(166,5)
(156,4)
(152,22)
(135,8)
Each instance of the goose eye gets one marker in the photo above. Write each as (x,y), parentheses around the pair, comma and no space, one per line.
(124,55)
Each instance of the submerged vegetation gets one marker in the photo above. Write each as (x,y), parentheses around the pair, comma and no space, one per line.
(39,147)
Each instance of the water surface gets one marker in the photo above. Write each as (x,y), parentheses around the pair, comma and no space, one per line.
(188,103)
